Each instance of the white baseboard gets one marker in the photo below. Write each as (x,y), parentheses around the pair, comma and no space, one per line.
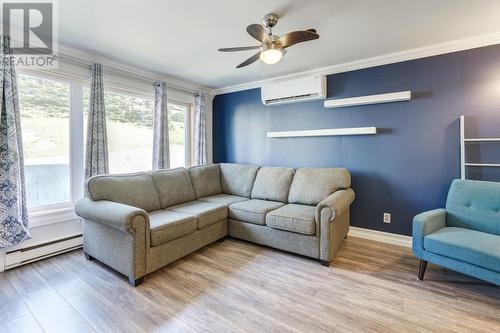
(29,255)
(33,248)
(380,236)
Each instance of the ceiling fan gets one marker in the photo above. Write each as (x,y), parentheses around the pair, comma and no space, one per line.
(273,47)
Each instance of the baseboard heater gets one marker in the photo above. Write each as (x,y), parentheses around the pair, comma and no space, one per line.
(38,252)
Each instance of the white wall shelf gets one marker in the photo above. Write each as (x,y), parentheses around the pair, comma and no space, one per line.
(483,140)
(324,132)
(483,164)
(370,99)
(463,141)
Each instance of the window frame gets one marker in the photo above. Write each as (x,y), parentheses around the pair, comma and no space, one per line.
(64,211)
(188,125)
(36,211)
(123,92)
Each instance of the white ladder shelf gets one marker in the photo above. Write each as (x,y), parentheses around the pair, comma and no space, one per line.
(463,142)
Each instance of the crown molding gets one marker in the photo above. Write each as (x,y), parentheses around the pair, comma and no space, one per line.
(391,58)
(73,55)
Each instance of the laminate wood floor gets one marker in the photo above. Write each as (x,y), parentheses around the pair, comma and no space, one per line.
(236,286)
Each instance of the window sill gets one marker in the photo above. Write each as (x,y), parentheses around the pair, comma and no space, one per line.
(48,216)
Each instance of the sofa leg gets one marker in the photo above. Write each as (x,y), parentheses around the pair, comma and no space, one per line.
(135,283)
(421,269)
(324,263)
(220,240)
(88,256)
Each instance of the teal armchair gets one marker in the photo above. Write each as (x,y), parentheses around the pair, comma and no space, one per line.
(464,237)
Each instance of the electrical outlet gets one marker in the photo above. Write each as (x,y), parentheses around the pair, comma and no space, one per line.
(387,217)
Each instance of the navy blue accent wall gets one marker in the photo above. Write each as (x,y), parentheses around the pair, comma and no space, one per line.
(406,168)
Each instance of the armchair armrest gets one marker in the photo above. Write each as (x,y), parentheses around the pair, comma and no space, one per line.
(334,205)
(424,224)
(112,214)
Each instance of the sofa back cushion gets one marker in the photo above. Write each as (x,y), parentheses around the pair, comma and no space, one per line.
(174,186)
(272,183)
(205,180)
(134,189)
(311,185)
(475,205)
(237,179)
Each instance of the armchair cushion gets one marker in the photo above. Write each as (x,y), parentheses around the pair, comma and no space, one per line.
(474,205)
(474,247)
(294,218)
(168,225)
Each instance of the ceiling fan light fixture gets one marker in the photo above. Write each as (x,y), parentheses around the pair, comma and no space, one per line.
(271,55)
(272,47)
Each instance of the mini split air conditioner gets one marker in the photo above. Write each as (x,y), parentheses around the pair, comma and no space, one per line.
(296,90)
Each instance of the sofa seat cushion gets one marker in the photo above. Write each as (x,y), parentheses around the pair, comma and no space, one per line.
(253,211)
(207,213)
(167,225)
(225,199)
(474,247)
(295,218)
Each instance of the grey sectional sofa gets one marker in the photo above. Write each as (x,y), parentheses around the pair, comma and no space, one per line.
(138,223)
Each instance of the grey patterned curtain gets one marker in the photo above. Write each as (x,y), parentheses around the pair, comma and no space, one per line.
(96,156)
(161,145)
(200,128)
(13,211)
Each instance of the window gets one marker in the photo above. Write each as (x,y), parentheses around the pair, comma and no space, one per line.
(129,124)
(54,114)
(45,110)
(178,113)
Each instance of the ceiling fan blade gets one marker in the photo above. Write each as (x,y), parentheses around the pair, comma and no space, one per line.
(258,32)
(242,48)
(295,37)
(250,60)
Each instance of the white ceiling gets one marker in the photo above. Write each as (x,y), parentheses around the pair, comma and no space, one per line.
(181,37)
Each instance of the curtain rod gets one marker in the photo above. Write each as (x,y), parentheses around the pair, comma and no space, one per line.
(120,73)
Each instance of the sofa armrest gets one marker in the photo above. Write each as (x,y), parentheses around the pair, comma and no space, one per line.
(332,222)
(112,214)
(334,205)
(424,224)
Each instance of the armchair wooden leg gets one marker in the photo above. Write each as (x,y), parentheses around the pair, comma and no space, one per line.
(135,283)
(421,269)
